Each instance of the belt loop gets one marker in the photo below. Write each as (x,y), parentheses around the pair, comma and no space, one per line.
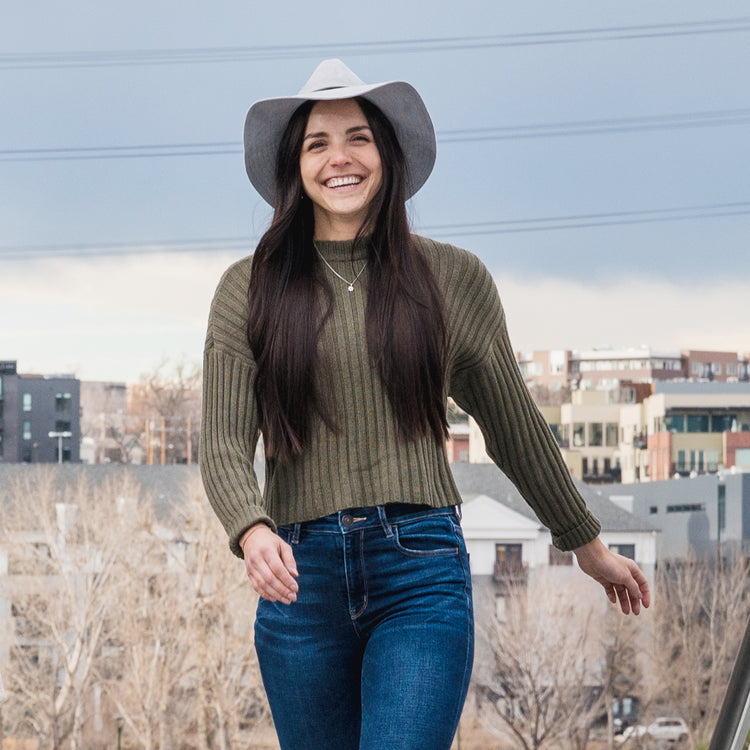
(384,522)
(457,511)
(294,539)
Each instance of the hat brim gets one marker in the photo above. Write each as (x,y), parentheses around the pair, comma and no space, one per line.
(399,101)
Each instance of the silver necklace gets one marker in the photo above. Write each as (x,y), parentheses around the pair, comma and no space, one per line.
(349,284)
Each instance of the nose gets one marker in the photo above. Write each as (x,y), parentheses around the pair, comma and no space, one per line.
(339,155)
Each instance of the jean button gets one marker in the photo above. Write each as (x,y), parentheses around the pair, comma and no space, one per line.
(347,519)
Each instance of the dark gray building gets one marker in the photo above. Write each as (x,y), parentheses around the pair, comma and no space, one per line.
(39,417)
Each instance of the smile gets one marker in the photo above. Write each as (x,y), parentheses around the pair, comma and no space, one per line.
(336,182)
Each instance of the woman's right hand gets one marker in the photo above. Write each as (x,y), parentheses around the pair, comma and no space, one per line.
(270,565)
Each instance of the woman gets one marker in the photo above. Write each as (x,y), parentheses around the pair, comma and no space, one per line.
(340,341)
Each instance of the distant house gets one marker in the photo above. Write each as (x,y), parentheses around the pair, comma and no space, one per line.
(507,542)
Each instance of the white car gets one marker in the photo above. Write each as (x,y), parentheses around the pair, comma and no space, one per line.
(670,728)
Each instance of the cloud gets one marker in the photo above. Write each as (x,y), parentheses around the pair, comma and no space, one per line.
(556,314)
(115,318)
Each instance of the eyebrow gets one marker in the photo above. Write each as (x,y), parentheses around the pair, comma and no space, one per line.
(323,134)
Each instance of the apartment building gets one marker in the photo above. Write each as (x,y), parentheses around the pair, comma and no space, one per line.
(610,368)
(697,428)
(39,417)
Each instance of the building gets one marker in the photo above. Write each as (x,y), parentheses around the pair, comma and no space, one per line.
(703,516)
(39,417)
(506,540)
(696,428)
(610,368)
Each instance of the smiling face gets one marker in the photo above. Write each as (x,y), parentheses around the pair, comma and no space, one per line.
(340,168)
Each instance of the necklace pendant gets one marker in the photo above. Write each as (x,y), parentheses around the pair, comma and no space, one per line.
(350,288)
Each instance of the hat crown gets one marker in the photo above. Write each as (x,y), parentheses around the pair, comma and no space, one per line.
(330,74)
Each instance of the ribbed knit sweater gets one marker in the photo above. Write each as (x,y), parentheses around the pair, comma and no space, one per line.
(364,462)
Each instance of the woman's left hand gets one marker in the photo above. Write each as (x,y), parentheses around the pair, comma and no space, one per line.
(621,578)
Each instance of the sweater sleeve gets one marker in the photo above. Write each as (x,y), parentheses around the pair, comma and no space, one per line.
(488,385)
(230,420)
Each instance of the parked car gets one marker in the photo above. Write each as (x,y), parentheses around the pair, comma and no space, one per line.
(669,728)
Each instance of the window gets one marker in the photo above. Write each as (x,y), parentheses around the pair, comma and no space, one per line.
(611,435)
(626,550)
(1,442)
(63,402)
(27,430)
(27,402)
(584,466)
(722,422)
(509,558)
(686,508)
(681,461)
(595,434)
(579,434)
(653,510)
(674,423)
(62,426)
(697,422)
(731,370)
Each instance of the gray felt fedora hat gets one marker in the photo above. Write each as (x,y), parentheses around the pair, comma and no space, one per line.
(399,101)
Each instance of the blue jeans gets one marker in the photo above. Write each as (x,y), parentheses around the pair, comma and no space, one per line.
(376,652)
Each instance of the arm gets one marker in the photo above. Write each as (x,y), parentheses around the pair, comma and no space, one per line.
(229,435)
(488,385)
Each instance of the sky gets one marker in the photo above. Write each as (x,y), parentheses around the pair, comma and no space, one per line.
(594,155)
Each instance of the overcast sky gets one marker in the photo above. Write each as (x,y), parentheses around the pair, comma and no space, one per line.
(603,178)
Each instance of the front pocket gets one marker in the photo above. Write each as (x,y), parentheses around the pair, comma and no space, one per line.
(428,537)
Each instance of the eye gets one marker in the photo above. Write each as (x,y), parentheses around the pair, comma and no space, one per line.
(315,145)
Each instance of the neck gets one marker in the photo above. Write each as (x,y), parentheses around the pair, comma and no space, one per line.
(328,229)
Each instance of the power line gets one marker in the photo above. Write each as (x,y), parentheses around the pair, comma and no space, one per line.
(505,226)
(182,56)
(678,121)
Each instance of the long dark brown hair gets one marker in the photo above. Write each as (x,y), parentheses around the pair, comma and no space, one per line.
(405,322)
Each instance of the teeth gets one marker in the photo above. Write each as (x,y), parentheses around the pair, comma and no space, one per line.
(335,182)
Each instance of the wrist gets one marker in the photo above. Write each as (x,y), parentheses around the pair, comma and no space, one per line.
(250,531)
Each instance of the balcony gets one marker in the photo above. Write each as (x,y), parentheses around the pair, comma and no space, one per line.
(510,575)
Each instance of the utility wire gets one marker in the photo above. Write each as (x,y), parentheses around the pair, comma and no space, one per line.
(119,58)
(506,226)
(714,118)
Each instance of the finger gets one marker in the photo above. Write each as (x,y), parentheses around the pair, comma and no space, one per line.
(624,597)
(266,582)
(269,587)
(281,575)
(287,557)
(610,591)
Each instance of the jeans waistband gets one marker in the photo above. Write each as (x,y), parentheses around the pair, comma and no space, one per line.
(355,519)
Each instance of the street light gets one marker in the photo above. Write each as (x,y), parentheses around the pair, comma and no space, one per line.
(118,724)
(721,502)
(60,436)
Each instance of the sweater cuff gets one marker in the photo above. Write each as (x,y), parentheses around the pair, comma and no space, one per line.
(241,524)
(582,534)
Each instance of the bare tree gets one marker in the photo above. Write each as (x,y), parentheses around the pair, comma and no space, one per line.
(122,606)
(543,687)
(701,618)
(166,406)
(66,557)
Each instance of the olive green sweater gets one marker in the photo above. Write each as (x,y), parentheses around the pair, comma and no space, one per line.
(364,463)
